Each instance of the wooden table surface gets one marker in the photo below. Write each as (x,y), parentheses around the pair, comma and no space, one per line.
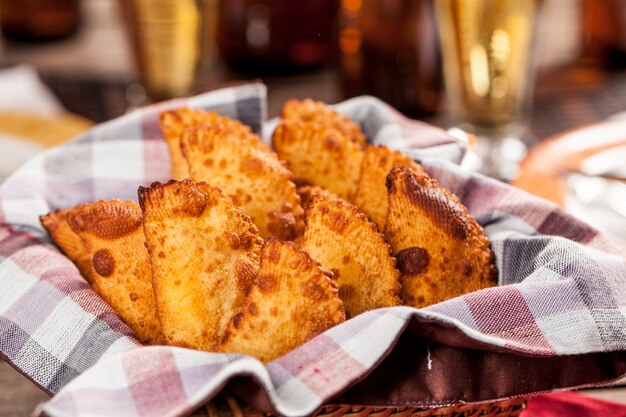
(92,80)
(18,396)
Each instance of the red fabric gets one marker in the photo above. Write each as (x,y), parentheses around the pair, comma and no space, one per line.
(566,404)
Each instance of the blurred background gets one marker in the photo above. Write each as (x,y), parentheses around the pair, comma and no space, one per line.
(86,51)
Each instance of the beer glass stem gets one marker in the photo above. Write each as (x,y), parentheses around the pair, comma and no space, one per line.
(500,158)
(495,155)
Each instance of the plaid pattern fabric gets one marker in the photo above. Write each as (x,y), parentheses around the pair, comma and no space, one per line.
(555,321)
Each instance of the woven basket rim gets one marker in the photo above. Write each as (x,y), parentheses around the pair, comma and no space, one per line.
(457,407)
(509,407)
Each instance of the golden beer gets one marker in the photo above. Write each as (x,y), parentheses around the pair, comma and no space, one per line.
(167,40)
(486,48)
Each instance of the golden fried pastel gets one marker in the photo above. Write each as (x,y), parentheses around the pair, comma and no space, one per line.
(371,195)
(320,156)
(316,112)
(292,301)
(175,122)
(256,180)
(306,192)
(68,241)
(442,251)
(348,245)
(204,254)
(112,233)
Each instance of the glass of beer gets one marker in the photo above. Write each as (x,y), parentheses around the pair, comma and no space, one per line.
(489,74)
(169,38)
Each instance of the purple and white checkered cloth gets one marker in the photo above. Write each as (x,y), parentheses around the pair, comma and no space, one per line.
(557,319)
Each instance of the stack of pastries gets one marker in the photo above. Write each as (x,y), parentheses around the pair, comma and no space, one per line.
(255,250)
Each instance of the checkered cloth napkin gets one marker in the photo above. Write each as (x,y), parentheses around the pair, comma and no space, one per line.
(556,320)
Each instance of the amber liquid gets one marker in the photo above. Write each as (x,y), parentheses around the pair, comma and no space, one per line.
(167,37)
(486,47)
(389,49)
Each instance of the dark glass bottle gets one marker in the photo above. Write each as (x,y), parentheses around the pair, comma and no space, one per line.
(39,20)
(390,49)
(276,36)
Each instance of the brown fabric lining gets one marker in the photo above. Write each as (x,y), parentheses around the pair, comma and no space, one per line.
(463,370)
(471,375)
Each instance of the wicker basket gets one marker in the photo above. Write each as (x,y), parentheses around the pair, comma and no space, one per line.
(228,406)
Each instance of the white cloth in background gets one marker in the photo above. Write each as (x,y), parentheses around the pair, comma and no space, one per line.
(21,90)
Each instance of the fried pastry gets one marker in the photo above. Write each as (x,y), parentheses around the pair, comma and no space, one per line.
(292,301)
(204,254)
(348,245)
(320,156)
(175,122)
(256,181)
(442,252)
(68,241)
(306,192)
(316,112)
(371,194)
(112,233)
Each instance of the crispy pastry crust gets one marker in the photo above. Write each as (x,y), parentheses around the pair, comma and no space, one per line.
(56,225)
(318,113)
(350,246)
(292,301)
(442,251)
(255,179)
(112,234)
(320,156)
(306,192)
(371,195)
(204,254)
(175,122)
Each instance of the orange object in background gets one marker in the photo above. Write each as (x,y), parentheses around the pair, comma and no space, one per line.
(39,20)
(276,36)
(389,49)
(543,171)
